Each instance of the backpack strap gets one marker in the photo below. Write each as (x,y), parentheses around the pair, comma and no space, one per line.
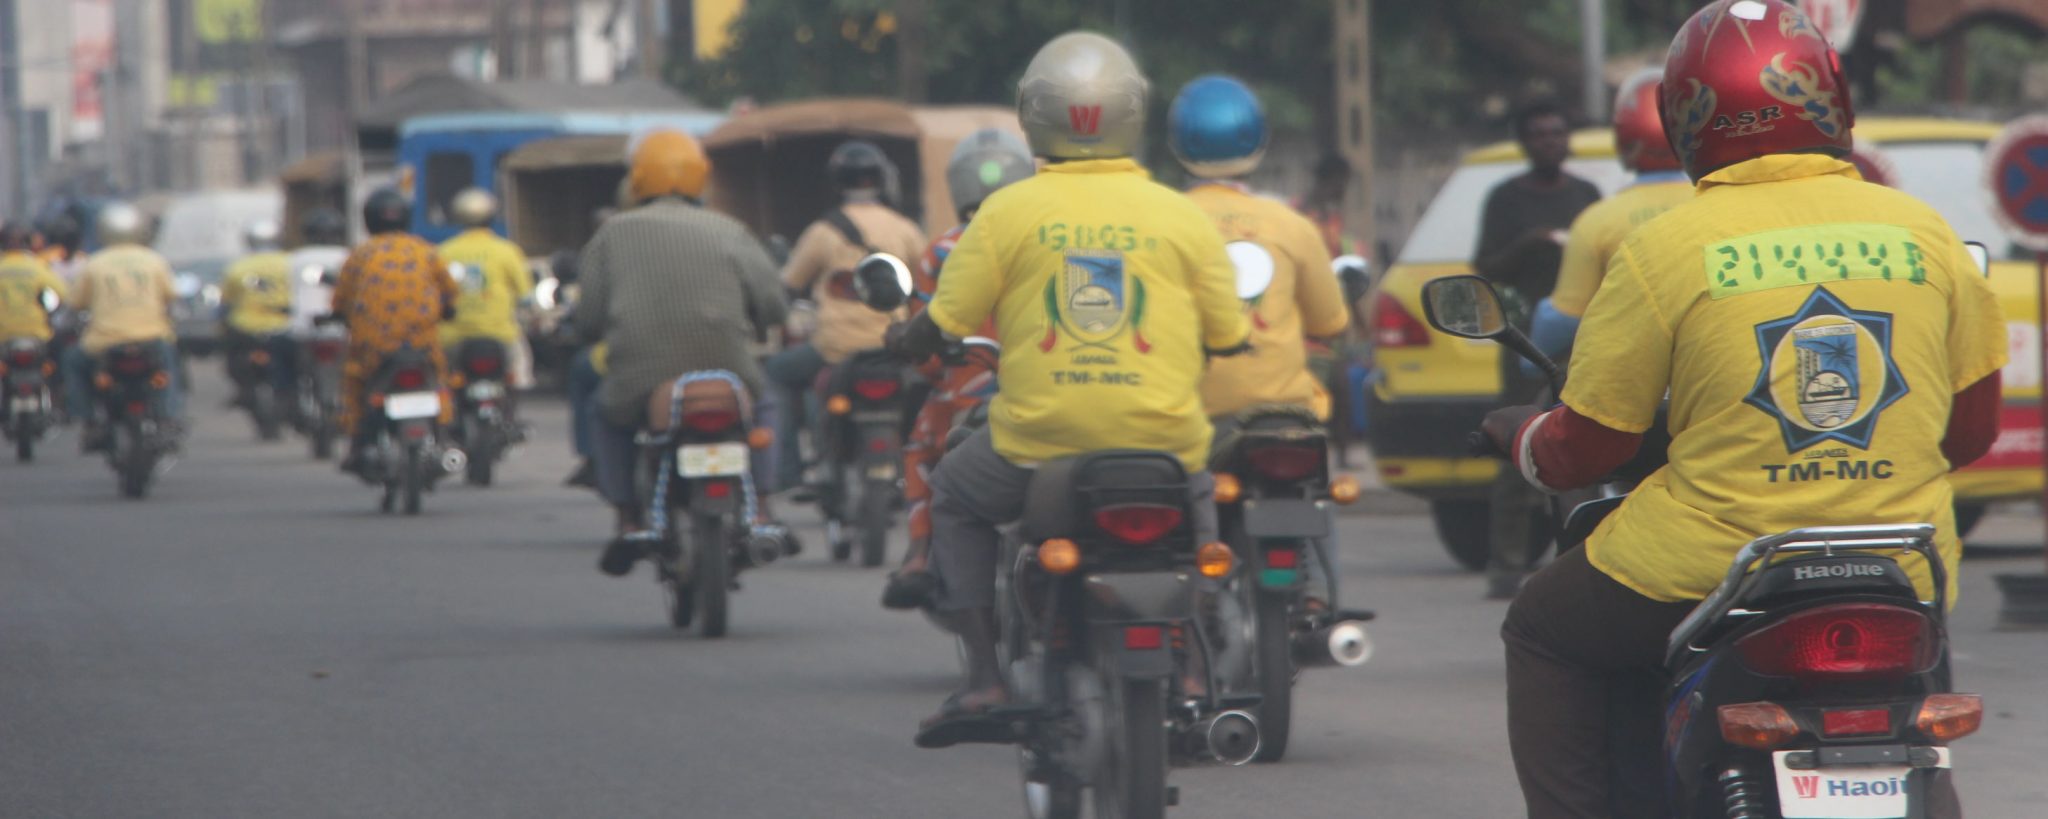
(844,224)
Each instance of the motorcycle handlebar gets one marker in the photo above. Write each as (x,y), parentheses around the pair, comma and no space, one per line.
(1481,445)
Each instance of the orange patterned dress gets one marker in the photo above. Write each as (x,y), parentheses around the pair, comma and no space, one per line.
(391,292)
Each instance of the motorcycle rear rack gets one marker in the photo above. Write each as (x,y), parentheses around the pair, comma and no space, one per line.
(1917,538)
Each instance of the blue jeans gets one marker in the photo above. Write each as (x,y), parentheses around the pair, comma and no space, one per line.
(615,454)
(793,371)
(584,381)
(79,368)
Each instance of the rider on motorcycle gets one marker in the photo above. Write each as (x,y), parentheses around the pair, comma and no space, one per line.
(324,237)
(62,250)
(862,224)
(256,298)
(393,292)
(1807,385)
(126,288)
(494,278)
(1107,289)
(1660,185)
(982,163)
(23,278)
(671,287)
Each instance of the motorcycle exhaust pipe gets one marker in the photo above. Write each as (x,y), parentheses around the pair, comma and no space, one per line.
(453,461)
(1342,643)
(763,549)
(1230,738)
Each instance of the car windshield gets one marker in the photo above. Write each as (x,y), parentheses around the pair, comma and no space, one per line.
(1449,229)
(210,225)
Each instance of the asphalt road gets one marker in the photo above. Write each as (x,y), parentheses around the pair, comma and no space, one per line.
(255,640)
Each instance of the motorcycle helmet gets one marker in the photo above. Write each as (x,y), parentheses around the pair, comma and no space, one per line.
(262,235)
(1638,128)
(858,163)
(386,211)
(1216,127)
(986,160)
(1082,97)
(1748,78)
(667,162)
(473,207)
(121,223)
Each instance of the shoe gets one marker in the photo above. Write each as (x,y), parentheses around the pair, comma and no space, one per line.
(910,590)
(619,556)
(585,475)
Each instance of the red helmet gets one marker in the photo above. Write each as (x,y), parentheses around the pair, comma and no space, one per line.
(1747,78)
(1638,128)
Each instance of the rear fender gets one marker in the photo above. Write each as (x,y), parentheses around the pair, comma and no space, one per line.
(703,502)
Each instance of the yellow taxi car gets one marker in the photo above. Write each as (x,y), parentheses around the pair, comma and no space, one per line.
(1432,389)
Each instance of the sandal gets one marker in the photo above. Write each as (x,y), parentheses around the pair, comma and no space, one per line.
(910,590)
(957,722)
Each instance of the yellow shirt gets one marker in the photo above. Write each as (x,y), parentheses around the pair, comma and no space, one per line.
(128,290)
(1598,232)
(1105,288)
(845,324)
(23,278)
(492,277)
(1812,329)
(258,294)
(1304,298)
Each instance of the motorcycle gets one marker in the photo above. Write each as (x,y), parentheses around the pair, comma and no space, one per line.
(319,393)
(25,406)
(249,367)
(1813,681)
(483,428)
(406,457)
(860,441)
(697,486)
(131,382)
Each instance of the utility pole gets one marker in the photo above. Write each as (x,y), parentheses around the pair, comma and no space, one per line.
(1352,25)
(1593,54)
(910,66)
(16,112)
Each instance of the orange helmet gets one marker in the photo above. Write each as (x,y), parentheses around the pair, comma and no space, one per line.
(1638,128)
(668,163)
(1746,78)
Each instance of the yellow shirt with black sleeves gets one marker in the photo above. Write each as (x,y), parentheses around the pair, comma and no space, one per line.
(1105,287)
(1599,230)
(1303,299)
(491,277)
(257,291)
(1812,330)
(23,278)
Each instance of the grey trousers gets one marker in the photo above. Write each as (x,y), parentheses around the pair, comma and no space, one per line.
(976,490)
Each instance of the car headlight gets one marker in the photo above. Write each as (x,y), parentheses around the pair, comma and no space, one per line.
(544,293)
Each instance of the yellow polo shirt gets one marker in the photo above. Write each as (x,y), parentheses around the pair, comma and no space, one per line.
(128,291)
(491,277)
(1105,287)
(1598,232)
(1812,330)
(1304,298)
(23,278)
(257,291)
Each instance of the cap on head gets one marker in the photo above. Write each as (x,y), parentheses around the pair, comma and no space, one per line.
(121,223)
(667,162)
(985,161)
(1216,127)
(1082,97)
(473,207)
(1747,78)
(386,211)
(1638,128)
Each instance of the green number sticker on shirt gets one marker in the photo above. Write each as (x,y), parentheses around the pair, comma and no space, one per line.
(1812,254)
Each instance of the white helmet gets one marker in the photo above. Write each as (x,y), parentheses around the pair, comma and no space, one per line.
(1082,97)
(986,160)
(473,207)
(262,235)
(121,223)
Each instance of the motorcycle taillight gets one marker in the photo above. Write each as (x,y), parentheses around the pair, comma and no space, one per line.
(1286,462)
(22,358)
(137,409)
(327,351)
(1842,641)
(485,366)
(409,379)
(875,389)
(711,421)
(1137,524)
(130,365)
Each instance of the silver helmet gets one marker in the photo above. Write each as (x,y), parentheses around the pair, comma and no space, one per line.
(121,223)
(1082,97)
(473,207)
(262,235)
(986,160)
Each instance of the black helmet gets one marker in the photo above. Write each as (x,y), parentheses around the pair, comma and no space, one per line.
(16,236)
(324,226)
(386,211)
(60,229)
(857,163)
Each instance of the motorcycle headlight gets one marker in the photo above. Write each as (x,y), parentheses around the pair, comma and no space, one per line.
(210,294)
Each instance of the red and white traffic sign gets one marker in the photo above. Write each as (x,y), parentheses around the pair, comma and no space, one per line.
(2016,174)
(1836,19)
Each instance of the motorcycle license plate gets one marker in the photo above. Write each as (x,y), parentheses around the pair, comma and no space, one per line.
(1843,792)
(882,471)
(408,405)
(28,404)
(711,460)
(486,390)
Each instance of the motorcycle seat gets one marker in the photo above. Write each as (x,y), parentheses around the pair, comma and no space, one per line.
(1271,423)
(703,395)
(1821,574)
(1063,489)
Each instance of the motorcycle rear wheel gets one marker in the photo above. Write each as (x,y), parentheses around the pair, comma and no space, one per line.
(712,579)
(25,447)
(412,479)
(1131,781)
(876,505)
(263,410)
(133,461)
(1276,674)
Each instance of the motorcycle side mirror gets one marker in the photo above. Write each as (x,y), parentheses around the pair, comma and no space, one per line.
(882,282)
(1980,254)
(48,298)
(1354,275)
(328,279)
(1254,268)
(1468,307)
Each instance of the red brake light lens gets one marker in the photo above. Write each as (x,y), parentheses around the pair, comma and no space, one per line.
(875,389)
(1848,722)
(1848,640)
(1394,326)
(485,365)
(22,358)
(131,365)
(1282,558)
(1144,638)
(409,379)
(327,351)
(137,409)
(1137,523)
(1286,463)
(717,489)
(710,421)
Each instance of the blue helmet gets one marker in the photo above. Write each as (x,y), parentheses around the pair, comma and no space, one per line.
(1217,127)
